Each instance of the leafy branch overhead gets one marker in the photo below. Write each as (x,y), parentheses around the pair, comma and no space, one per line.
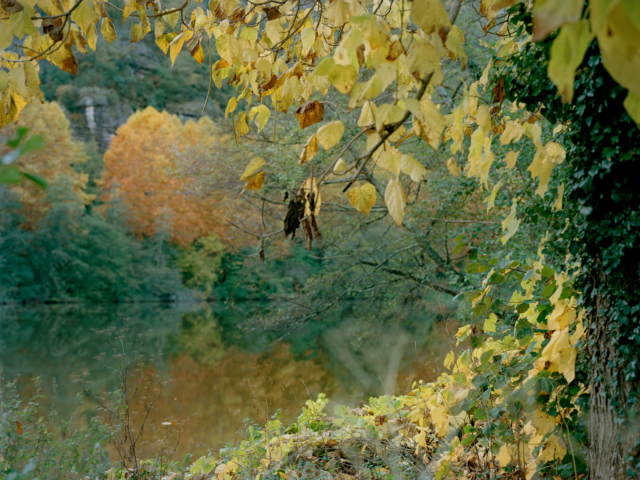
(386,57)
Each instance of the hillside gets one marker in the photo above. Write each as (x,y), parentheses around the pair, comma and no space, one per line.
(126,77)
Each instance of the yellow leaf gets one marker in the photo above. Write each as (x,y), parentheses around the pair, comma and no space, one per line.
(452,166)
(631,105)
(325,66)
(108,31)
(312,195)
(50,7)
(163,43)
(456,50)
(362,198)
(549,15)
(84,14)
(485,75)
(343,77)
(510,224)
(541,168)
(227,47)
(158,30)
(431,127)
(563,315)
(273,29)
(252,167)
(396,200)
(557,205)
(475,152)
(172,19)
(338,12)
(64,59)
(340,167)
(544,423)
(92,36)
(619,42)
(388,114)
(6,38)
(136,33)
(231,106)
(310,113)
(448,361)
(491,199)
(429,15)
(309,150)
(561,355)
(242,124)
(503,457)
(412,167)
(512,132)
(32,81)
(20,21)
(262,114)
(490,324)
(440,420)
(255,182)
(175,46)
(20,103)
(553,449)
(330,134)
(511,159)
(367,115)
(307,37)
(567,52)
(385,156)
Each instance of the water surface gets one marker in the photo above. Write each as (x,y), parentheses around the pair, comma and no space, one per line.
(219,374)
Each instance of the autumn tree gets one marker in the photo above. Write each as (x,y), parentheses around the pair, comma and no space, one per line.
(143,169)
(57,162)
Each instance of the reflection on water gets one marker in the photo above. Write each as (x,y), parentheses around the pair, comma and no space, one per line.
(220,374)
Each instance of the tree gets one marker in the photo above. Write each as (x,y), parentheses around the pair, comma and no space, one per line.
(55,162)
(143,169)
(602,233)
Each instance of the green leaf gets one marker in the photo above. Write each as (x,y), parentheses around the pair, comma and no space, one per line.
(459,246)
(40,182)
(10,174)
(34,143)
(20,133)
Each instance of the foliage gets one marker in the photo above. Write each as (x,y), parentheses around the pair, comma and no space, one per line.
(134,75)
(49,123)
(392,63)
(12,174)
(35,446)
(72,255)
(603,144)
(142,171)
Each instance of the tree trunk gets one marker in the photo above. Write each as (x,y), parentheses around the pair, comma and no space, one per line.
(609,437)
(605,452)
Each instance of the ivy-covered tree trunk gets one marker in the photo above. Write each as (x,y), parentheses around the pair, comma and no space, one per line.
(602,230)
(606,457)
(605,238)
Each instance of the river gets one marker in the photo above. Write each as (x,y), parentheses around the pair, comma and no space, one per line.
(215,375)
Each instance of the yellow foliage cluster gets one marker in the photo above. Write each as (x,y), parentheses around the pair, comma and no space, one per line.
(56,164)
(144,169)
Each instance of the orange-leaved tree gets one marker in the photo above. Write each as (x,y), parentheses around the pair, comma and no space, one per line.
(143,169)
(56,161)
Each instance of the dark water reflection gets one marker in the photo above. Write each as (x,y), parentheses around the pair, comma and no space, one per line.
(220,374)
